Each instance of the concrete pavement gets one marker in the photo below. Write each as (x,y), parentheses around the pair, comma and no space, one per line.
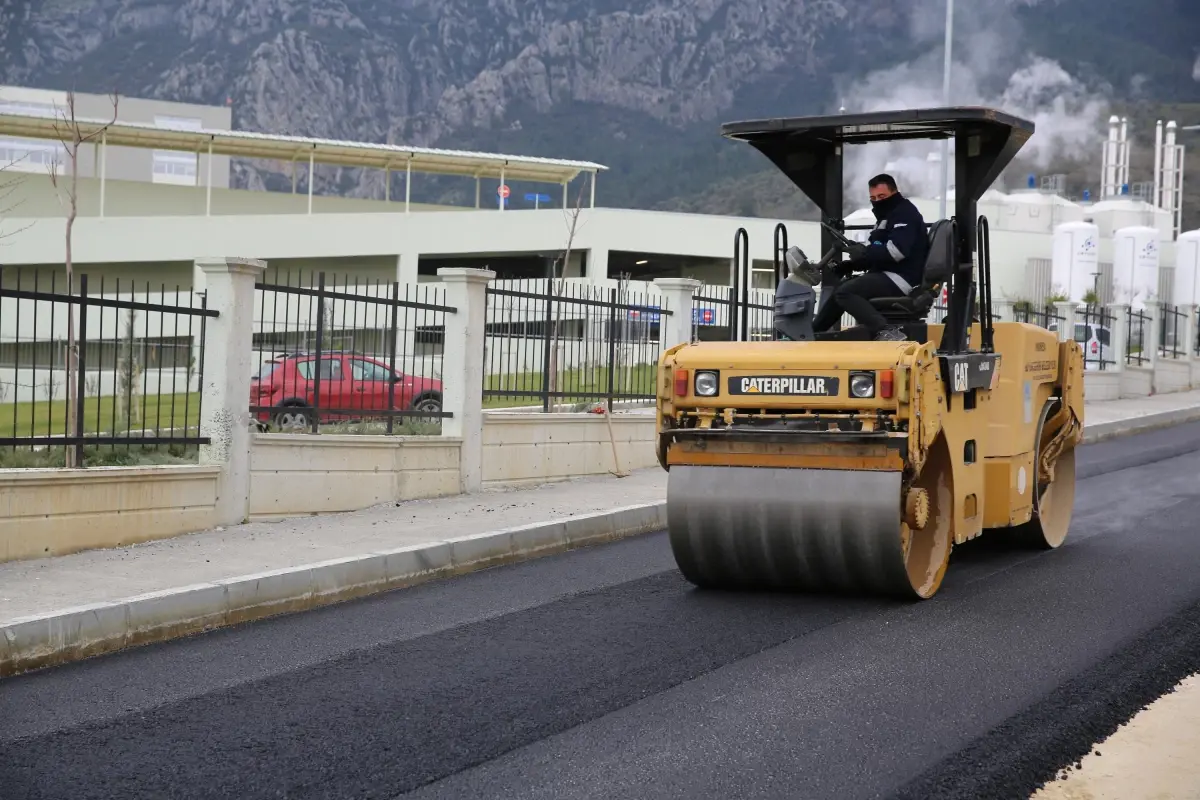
(60,609)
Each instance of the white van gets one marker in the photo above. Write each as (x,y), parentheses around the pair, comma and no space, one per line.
(1092,338)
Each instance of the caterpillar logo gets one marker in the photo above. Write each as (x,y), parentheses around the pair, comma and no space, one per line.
(785,385)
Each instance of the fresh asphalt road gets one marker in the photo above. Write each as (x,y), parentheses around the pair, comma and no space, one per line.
(603,674)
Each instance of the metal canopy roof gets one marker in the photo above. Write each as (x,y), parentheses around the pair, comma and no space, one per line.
(880,126)
(248,144)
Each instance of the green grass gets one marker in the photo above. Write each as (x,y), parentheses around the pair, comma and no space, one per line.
(580,385)
(119,456)
(49,417)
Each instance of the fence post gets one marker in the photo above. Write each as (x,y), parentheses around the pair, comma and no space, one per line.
(1153,337)
(1065,310)
(678,295)
(225,386)
(462,367)
(1191,345)
(1119,335)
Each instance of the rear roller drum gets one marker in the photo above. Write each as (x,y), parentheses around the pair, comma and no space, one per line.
(1053,501)
(761,528)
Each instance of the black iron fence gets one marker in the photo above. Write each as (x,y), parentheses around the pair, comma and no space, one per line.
(558,343)
(1172,331)
(1094,326)
(106,374)
(716,308)
(1136,323)
(1045,316)
(353,355)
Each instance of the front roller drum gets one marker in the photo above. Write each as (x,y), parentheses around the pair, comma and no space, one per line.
(760,528)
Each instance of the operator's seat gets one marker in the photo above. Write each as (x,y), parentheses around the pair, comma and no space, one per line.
(939,263)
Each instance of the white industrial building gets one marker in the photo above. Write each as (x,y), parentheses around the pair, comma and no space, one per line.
(138,227)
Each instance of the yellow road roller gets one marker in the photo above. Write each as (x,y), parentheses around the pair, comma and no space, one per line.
(832,462)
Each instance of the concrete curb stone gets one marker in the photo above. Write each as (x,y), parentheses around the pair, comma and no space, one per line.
(76,633)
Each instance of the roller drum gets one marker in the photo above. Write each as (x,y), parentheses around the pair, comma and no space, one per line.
(764,528)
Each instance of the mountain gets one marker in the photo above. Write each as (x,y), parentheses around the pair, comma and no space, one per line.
(639,85)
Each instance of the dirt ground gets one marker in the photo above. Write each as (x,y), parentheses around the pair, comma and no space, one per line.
(1155,756)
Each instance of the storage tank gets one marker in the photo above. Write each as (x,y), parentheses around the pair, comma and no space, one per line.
(1112,215)
(1037,212)
(1135,265)
(1075,260)
(1187,269)
(863,216)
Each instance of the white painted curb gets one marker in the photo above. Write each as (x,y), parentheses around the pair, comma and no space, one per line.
(74,633)
(1143,424)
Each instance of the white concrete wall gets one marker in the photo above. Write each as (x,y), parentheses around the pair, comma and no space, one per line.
(46,512)
(520,449)
(293,475)
(1100,385)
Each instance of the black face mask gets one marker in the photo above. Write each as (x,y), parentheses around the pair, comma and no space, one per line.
(882,207)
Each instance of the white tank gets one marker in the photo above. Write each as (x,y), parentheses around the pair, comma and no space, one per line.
(1135,265)
(1187,269)
(1075,260)
(1112,215)
(1037,212)
(863,216)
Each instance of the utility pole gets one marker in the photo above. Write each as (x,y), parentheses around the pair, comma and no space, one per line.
(946,102)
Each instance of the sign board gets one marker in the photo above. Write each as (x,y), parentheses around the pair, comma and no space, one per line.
(503,190)
(648,314)
(537,198)
(704,316)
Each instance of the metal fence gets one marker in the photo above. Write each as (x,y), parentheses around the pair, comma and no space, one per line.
(558,343)
(107,374)
(354,356)
(1044,316)
(1136,322)
(1094,326)
(716,308)
(1172,331)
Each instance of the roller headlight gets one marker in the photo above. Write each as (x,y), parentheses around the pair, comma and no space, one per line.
(706,384)
(862,384)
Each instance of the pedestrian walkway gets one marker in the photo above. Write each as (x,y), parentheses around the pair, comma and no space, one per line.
(250,570)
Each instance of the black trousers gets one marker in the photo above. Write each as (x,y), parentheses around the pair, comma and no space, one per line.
(853,297)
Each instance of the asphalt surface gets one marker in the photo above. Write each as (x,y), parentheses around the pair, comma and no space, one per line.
(602,674)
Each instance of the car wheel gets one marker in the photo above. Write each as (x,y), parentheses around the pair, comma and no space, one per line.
(292,417)
(430,404)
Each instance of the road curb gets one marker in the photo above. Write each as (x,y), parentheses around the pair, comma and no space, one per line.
(72,634)
(1143,424)
(75,633)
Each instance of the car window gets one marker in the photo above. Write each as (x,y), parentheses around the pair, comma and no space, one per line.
(331,369)
(367,371)
(266,369)
(1102,335)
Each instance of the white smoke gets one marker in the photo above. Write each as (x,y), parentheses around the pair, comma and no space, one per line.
(988,70)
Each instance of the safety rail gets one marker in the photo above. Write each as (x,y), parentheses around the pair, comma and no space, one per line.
(377,347)
(1172,331)
(1093,330)
(103,373)
(1136,322)
(558,342)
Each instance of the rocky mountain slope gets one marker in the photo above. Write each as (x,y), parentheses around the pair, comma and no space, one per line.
(639,85)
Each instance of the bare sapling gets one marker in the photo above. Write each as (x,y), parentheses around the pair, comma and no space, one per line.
(73,133)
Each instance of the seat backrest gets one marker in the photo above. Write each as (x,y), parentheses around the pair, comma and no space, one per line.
(939,263)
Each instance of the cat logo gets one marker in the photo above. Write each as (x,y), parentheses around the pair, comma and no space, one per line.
(960,376)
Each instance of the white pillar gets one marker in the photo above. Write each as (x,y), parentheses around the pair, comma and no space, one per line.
(677,294)
(311,179)
(1005,310)
(1120,334)
(1066,328)
(228,365)
(407,185)
(208,183)
(593,202)
(597,264)
(103,168)
(1153,332)
(462,367)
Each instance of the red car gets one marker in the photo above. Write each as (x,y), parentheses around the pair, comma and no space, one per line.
(352,386)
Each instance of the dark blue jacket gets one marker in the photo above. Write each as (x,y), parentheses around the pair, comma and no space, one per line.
(900,241)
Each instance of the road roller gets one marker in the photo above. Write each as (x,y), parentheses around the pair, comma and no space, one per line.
(831,462)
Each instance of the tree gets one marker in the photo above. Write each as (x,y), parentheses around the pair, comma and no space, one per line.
(73,133)
(559,285)
(8,187)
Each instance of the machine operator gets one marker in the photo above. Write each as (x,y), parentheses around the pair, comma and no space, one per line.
(891,262)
